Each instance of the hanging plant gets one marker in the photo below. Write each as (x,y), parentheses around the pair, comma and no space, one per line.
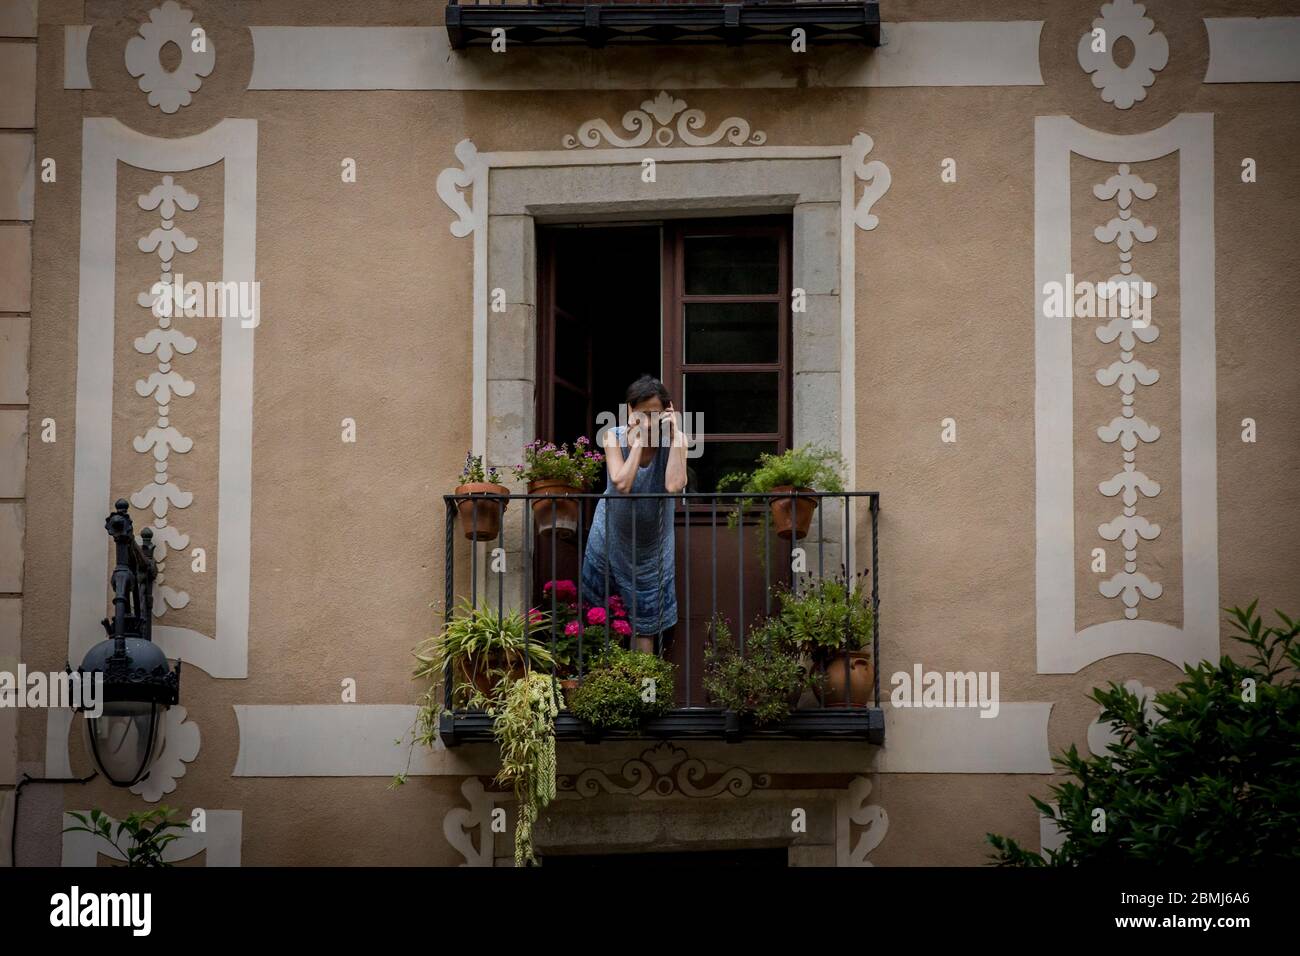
(523,723)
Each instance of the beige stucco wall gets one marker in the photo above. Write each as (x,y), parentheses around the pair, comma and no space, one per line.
(367,307)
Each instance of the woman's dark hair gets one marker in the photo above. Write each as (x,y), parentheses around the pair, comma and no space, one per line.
(645,388)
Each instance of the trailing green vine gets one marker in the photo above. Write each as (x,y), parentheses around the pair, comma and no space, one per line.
(523,722)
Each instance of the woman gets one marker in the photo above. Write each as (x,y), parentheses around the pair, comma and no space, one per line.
(641,575)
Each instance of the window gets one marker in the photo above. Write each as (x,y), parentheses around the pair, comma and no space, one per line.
(704,304)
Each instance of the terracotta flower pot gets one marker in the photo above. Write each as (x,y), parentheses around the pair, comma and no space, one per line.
(484,677)
(802,509)
(481,519)
(555,514)
(861,680)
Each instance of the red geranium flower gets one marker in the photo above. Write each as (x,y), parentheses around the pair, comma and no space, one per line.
(622,628)
(596,615)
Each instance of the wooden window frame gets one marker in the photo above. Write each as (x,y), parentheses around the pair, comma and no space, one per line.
(675,300)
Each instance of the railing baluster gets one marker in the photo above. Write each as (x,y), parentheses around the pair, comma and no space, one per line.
(875,596)
(555,507)
(740,583)
(636,579)
(582,514)
(449,594)
(689,644)
(473,553)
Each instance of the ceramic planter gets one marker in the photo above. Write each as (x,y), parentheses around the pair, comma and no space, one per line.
(859,689)
(481,519)
(792,515)
(555,514)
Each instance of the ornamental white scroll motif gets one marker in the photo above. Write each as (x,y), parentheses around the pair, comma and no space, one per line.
(459,821)
(453,183)
(666,120)
(1126,85)
(664,770)
(874,174)
(1130,326)
(180,746)
(852,810)
(1101,734)
(170,24)
(165,384)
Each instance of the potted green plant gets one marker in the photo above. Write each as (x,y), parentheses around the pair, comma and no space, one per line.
(581,632)
(552,469)
(762,684)
(479,516)
(523,714)
(804,470)
(622,688)
(147,831)
(831,621)
(482,646)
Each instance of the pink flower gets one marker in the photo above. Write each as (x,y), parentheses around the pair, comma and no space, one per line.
(571,629)
(535,616)
(564,590)
(596,615)
(622,628)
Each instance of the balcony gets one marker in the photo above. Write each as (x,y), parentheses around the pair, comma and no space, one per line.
(731,563)
(633,23)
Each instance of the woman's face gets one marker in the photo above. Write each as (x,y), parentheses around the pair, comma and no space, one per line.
(645,415)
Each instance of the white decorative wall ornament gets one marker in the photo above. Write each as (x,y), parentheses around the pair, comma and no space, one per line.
(852,809)
(664,770)
(452,184)
(874,174)
(180,746)
(1063,648)
(459,821)
(665,119)
(106,145)
(1130,326)
(1123,86)
(221,841)
(1100,733)
(170,90)
(165,385)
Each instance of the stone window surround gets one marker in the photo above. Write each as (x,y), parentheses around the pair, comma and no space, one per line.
(516,191)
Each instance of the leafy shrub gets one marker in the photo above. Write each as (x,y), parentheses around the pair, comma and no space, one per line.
(761,683)
(808,466)
(523,724)
(546,461)
(829,615)
(473,472)
(147,831)
(623,688)
(1215,781)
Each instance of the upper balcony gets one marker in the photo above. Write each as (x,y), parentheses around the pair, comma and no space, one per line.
(732,558)
(540,22)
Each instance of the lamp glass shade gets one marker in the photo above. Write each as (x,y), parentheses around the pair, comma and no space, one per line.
(125,740)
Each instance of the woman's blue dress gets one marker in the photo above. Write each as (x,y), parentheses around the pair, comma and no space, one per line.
(644,579)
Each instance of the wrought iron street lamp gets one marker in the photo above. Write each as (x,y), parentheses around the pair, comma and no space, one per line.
(127,736)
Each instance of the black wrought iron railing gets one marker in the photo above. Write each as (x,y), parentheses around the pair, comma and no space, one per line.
(600,22)
(732,561)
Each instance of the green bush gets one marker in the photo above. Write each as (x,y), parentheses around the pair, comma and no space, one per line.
(622,689)
(761,683)
(1215,781)
(829,615)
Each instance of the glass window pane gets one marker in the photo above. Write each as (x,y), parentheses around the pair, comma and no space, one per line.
(731,402)
(732,265)
(731,332)
(720,458)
